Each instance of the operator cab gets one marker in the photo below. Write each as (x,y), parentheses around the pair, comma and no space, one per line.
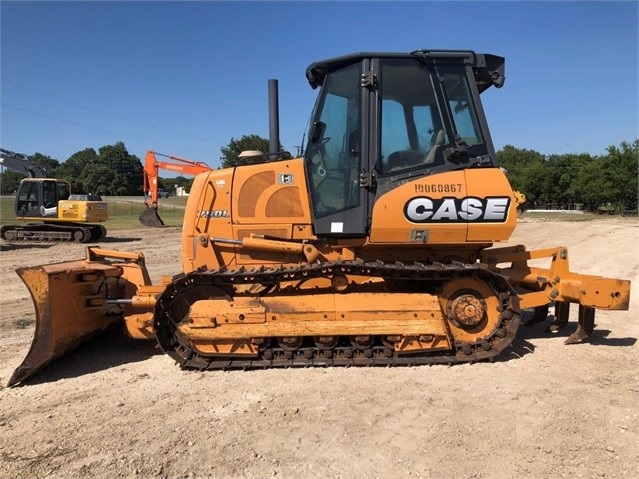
(384,119)
(39,197)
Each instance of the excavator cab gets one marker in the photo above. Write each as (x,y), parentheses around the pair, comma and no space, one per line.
(382,119)
(37,198)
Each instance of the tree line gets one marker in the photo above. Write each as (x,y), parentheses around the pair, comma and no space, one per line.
(567,181)
(113,171)
(575,181)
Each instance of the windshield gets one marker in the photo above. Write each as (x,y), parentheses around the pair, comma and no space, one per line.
(412,130)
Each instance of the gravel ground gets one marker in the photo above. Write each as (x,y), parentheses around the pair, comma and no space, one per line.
(118,408)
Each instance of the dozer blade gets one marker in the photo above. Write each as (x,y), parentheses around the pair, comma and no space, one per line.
(150,217)
(70,307)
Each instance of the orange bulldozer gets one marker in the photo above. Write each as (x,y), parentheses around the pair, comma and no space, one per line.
(374,247)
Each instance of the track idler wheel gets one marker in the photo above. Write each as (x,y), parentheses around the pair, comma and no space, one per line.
(389,344)
(98,232)
(326,344)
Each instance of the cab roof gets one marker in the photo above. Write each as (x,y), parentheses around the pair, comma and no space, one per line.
(488,69)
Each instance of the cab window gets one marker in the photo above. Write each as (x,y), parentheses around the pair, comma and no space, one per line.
(333,151)
(63,191)
(412,130)
(463,111)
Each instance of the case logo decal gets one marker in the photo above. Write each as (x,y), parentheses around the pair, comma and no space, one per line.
(423,209)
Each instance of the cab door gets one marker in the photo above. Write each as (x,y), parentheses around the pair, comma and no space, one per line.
(337,154)
(29,198)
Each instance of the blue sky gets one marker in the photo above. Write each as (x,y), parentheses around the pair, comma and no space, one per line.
(182,78)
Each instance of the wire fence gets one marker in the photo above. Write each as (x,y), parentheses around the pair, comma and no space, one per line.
(122,212)
(126,209)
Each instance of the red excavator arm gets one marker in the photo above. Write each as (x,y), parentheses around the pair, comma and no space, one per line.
(152,166)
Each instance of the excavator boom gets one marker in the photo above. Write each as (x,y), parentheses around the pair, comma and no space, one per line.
(21,163)
(152,167)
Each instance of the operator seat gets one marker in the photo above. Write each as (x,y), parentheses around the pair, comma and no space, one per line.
(404,159)
(436,142)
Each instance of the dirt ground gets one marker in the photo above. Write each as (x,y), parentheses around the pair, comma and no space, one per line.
(118,408)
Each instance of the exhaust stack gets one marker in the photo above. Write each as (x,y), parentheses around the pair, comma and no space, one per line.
(273,120)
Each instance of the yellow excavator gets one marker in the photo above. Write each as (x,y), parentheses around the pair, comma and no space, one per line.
(374,247)
(46,209)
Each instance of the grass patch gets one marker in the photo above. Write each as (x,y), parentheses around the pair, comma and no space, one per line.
(7,205)
(123,211)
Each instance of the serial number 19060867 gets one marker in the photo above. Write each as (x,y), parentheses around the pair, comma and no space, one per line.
(439,188)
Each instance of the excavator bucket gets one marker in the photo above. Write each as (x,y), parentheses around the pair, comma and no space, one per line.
(150,217)
(74,301)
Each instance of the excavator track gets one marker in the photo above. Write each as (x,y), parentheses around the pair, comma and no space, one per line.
(53,233)
(185,288)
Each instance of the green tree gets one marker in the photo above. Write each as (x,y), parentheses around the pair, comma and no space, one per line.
(536,185)
(121,172)
(9,181)
(230,153)
(591,185)
(98,180)
(562,172)
(621,166)
(110,171)
(575,179)
(72,169)
(525,171)
(49,164)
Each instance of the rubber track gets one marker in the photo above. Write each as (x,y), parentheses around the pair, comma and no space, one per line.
(498,341)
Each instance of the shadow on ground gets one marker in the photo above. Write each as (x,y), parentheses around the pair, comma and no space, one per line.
(114,349)
(119,239)
(109,350)
(25,245)
(522,346)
